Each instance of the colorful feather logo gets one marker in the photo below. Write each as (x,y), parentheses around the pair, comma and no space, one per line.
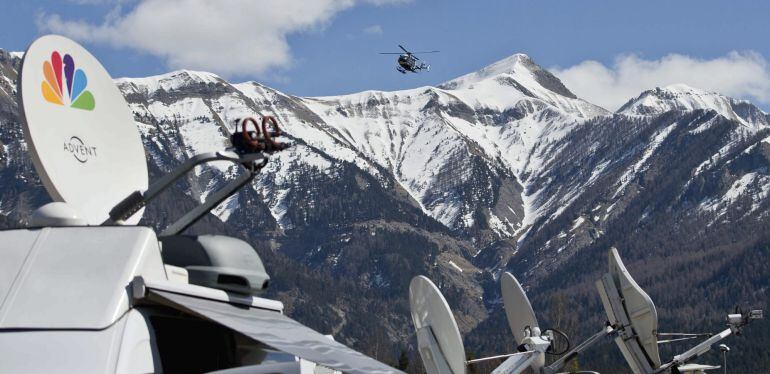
(65,85)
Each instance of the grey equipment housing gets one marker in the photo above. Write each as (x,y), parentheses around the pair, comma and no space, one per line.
(217,261)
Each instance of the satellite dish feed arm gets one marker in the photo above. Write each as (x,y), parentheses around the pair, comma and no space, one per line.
(596,338)
(215,199)
(138,199)
(518,362)
(696,351)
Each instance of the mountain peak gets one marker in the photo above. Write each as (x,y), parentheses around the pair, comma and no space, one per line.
(686,98)
(519,77)
(518,64)
(508,65)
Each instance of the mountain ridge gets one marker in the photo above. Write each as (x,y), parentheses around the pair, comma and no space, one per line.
(683,97)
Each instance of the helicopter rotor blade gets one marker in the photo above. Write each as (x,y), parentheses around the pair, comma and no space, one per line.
(404,49)
(391,53)
(427,52)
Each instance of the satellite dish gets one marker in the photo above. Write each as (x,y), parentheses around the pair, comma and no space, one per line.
(518,309)
(81,135)
(639,307)
(431,314)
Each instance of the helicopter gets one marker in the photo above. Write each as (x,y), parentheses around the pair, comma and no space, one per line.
(407,61)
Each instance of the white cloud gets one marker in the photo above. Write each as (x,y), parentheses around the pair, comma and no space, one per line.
(228,37)
(743,75)
(373,30)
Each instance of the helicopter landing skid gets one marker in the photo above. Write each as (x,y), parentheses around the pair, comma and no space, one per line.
(401,70)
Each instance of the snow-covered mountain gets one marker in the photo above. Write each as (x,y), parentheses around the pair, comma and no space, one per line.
(454,150)
(685,98)
(500,169)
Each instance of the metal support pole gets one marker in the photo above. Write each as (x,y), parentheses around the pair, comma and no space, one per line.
(138,199)
(560,363)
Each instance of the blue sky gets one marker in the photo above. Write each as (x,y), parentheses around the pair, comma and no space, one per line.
(328,47)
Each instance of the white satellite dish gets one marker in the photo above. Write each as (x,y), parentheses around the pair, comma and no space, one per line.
(639,306)
(81,135)
(518,309)
(520,315)
(438,336)
(632,310)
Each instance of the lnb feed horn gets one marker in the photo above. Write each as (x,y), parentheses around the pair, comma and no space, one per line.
(261,139)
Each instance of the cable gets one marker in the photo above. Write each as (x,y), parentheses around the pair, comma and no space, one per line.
(551,347)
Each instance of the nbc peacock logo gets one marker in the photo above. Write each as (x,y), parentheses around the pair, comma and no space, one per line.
(65,85)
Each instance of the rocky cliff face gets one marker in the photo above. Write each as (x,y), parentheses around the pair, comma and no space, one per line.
(500,169)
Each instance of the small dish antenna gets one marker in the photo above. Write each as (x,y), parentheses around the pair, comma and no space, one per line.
(80,132)
(438,336)
(520,315)
(626,303)
(518,309)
